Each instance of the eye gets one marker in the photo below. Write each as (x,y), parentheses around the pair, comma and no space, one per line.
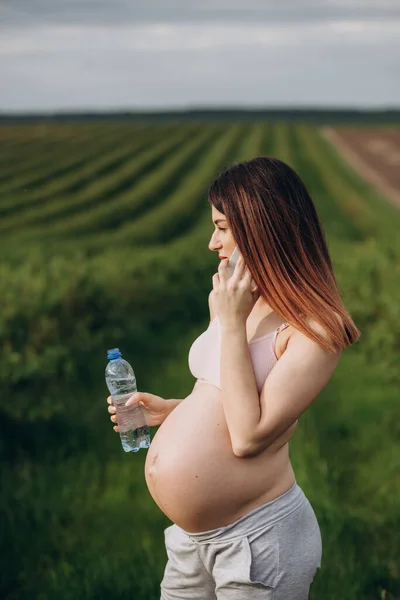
(221,229)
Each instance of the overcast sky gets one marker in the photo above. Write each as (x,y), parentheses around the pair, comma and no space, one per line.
(90,54)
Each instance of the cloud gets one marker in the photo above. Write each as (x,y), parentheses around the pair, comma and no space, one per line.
(161,37)
(48,63)
(95,12)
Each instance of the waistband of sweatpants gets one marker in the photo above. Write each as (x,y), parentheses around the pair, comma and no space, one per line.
(259,517)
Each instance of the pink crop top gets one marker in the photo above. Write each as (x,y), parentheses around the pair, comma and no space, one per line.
(204,355)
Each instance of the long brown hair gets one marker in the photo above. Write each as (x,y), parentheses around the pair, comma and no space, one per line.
(280,236)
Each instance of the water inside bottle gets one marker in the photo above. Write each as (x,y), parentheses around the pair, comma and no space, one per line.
(132,426)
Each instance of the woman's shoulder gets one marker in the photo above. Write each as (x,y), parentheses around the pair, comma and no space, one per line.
(316,327)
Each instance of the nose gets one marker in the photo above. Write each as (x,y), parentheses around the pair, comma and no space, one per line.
(214,244)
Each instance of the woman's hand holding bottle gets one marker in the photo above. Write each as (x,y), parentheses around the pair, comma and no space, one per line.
(155,408)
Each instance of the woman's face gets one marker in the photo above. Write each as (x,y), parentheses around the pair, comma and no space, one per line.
(221,240)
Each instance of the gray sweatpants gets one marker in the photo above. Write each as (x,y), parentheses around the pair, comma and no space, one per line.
(271,553)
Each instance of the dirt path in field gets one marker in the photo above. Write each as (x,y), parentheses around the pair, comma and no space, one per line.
(373,152)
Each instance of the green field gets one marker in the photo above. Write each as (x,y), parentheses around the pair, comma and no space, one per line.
(104,233)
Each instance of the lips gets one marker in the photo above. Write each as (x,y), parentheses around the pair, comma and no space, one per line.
(222,257)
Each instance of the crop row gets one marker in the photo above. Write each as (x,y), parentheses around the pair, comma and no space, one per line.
(181,208)
(30,159)
(67,175)
(84,187)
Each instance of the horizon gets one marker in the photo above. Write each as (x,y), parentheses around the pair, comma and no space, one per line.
(206,109)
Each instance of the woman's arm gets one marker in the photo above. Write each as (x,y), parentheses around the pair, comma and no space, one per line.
(256,421)
(210,305)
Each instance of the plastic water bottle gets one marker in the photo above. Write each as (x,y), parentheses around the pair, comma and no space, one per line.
(121,382)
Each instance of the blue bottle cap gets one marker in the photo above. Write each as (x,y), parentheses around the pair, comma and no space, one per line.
(114,353)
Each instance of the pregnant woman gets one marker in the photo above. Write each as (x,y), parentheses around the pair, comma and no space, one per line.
(219,464)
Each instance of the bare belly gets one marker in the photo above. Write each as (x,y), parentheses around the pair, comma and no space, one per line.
(194,476)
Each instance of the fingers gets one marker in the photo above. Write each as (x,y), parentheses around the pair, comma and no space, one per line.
(247,277)
(241,267)
(112,409)
(223,269)
(237,271)
(134,399)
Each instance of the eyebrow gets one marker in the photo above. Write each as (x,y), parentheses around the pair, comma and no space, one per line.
(218,220)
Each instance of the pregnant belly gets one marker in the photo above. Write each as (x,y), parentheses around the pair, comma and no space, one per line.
(194,476)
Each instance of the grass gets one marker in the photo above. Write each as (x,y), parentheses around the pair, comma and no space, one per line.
(77,519)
